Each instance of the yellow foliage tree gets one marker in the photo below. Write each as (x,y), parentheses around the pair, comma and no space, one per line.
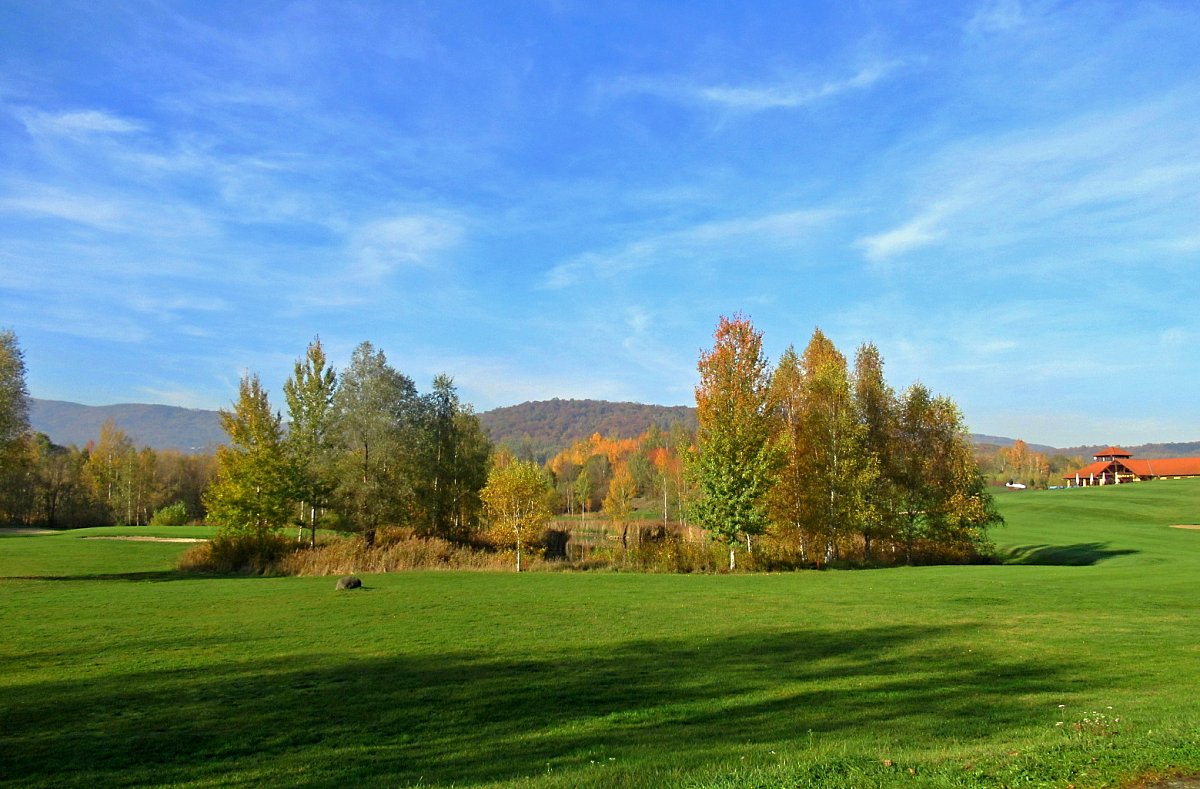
(516,500)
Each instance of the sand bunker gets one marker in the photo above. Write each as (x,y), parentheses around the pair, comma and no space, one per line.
(1194,526)
(146,539)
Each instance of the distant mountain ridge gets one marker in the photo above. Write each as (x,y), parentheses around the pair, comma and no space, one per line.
(539,427)
(156,426)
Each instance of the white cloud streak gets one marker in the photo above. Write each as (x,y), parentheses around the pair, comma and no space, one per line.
(789,94)
(698,241)
(1130,175)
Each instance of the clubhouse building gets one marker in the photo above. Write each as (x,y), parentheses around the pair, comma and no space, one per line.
(1115,466)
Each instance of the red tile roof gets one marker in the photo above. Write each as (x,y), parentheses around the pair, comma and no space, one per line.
(1114,452)
(1165,467)
(1161,467)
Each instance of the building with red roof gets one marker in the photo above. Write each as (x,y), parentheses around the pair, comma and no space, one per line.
(1113,466)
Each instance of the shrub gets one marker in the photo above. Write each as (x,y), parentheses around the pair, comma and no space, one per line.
(171,515)
(244,554)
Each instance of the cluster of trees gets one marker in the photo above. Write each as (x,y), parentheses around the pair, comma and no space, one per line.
(1021,463)
(648,467)
(108,481)
(830,461)
(358,451)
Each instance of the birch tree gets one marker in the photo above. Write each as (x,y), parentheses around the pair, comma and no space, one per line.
(516,498)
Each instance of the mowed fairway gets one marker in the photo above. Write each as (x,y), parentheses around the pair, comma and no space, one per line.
(116,670)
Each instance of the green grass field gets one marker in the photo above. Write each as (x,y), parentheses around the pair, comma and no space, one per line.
(114,669)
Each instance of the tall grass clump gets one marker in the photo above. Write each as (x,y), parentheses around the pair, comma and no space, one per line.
(394,550)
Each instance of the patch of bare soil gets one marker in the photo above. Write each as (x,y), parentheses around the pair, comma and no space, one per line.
(139,538)
(1193,526)
(1182,782)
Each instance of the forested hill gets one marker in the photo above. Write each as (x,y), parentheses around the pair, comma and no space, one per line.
(543,428)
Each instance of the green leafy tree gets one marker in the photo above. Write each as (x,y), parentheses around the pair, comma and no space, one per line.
(516,498)
(252,493)
(453,467)
(734,465)
(14,397)
(378,413)
(583,491)
(15,479)
(310,394)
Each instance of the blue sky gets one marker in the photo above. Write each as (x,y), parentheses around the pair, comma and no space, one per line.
(558,199)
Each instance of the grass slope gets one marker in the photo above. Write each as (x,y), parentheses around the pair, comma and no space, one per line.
(116,670)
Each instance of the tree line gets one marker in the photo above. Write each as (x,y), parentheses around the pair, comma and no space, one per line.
(811,459)
(107,481)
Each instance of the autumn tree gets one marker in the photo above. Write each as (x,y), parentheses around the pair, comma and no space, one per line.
(940,490)
(516,499)
(618,503)
(1023,464)
(252,493)
(110,469)
(733,466)
(875,404)
(310,436)
(826,468)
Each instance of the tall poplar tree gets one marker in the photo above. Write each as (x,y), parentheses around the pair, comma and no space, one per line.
(453,468)
(309,394)
(733,465)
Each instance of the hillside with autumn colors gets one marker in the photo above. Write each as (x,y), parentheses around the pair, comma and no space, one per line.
(541,429)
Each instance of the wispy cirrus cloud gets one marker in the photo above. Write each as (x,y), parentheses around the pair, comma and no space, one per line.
(790,96)
(701,241)
(793,93)
(75,123)
(1100,178)
(404,241)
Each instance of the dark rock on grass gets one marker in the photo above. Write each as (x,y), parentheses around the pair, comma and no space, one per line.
(349,582)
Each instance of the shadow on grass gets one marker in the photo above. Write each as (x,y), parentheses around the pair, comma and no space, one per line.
(1084,554)
(470,717)
(148,575)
